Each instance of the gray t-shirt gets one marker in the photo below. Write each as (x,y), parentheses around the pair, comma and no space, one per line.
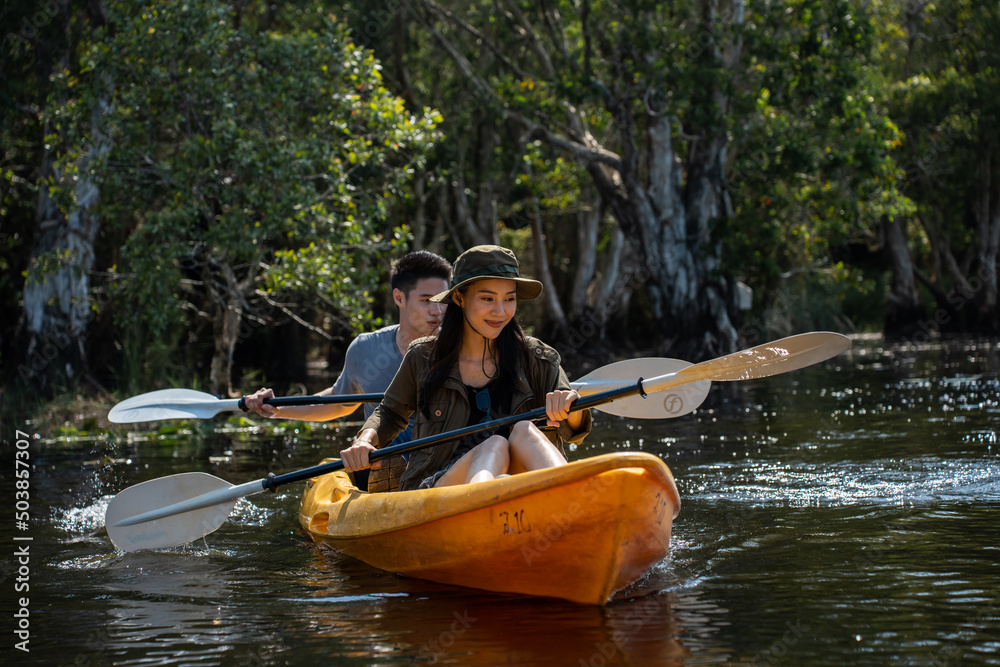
(371,362)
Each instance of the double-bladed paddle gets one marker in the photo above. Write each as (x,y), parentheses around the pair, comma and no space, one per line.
(204,501)
(191,404)
(174,510)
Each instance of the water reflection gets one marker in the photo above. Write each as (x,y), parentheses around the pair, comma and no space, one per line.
(431,623)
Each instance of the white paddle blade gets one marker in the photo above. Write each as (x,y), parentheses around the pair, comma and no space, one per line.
(780,356)
(663,405)
(169,531)
(169,404)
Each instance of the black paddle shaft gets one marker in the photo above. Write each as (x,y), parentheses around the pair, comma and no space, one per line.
(278,401)
(272,481)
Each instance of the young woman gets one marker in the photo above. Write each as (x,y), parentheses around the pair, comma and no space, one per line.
(480,367)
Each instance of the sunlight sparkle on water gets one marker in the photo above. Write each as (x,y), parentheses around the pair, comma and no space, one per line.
(81,519)
(916,481)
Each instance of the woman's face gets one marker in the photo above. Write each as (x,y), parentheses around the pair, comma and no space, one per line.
(489,305)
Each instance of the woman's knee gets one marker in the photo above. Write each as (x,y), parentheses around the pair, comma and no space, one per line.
(496,446)
(495,443)
(525,430)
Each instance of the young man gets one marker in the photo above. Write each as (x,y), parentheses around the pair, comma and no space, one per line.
(373,358)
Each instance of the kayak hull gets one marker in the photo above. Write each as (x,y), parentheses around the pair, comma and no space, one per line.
(579,532)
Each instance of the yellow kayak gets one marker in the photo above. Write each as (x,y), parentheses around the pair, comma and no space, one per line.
(580,532)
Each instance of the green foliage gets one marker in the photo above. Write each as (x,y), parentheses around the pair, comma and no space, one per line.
(947,100)
(810,143)
(32,37)
(242,161)
(814,169)
(256,156)
(548,177)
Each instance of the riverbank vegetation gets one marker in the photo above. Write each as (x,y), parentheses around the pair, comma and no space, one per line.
(207,194)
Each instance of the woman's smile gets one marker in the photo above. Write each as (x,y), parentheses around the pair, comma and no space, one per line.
(489,304)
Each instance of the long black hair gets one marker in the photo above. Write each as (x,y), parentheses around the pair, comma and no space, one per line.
(510,353)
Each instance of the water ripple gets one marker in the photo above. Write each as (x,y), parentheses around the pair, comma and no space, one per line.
(921,480)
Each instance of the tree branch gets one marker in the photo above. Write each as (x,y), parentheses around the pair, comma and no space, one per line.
(533,41)
(557,37)
(579,151)
(480,37)
(283,308)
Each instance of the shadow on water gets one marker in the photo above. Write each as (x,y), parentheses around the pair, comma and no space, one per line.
(447,625)
(842,514)
(286,602)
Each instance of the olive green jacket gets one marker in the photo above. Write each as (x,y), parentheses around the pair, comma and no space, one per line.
(450,409)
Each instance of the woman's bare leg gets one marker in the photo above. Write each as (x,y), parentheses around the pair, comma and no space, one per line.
(531,450)
(484,462)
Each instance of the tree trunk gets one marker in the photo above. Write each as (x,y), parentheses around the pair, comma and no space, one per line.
(669,222)
(903,309)
(226,326)
(987,216)
(486,209)
(463,214)
(612,281)
(553,309)
(57,301)
(588,225)
(612,290)
(229,303)
(952,314)
(400,45)
(481,227)
(419,222)
(663,208)
(669,216)
(604,315)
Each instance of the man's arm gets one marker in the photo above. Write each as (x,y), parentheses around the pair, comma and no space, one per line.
(356,359)
(309,413)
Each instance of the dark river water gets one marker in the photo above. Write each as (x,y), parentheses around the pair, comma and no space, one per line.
(844,514)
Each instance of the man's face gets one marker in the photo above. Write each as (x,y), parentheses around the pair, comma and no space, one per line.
(416,312)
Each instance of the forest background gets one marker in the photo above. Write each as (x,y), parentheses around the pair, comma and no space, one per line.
(208,193)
